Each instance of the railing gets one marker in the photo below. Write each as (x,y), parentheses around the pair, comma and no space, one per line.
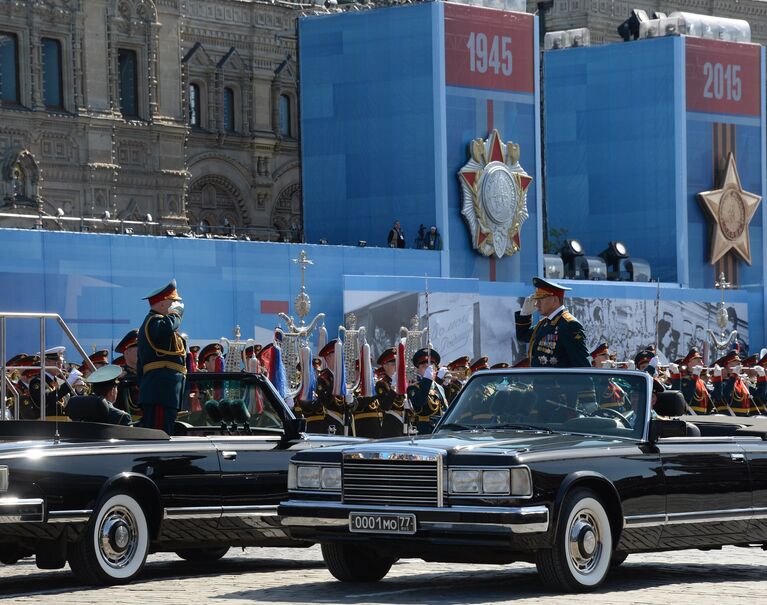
(4,382)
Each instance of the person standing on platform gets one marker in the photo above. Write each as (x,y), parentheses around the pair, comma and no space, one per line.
(396,236)
(161,365)
(557,340)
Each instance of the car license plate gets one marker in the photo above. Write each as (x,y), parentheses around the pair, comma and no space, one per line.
(382,523)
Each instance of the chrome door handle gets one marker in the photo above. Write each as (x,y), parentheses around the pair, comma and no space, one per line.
(229,455)
(738,457)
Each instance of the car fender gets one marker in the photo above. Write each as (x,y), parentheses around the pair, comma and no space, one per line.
(603,486)
(144,489)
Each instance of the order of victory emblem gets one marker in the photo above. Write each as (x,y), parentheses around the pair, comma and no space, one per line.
(494,195)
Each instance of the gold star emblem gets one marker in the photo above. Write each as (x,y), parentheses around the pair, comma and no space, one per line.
(730,210)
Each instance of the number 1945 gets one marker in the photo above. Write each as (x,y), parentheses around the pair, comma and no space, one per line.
(493,54)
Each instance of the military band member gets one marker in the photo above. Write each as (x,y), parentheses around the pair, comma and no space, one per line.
(426,396)
(396,418)
(557,340)
(685,377)
(15,369)
(127,388)
(161,365)
(459,370)
(610,394)
(731,395)
(58,386)
(645,359)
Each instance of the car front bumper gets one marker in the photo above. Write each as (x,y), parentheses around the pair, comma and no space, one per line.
(320,518)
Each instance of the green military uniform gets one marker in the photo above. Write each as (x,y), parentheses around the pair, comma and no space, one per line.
(161,368)
(558,342)
(128,394)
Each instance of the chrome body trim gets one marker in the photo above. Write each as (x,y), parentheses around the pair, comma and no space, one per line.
(216,512)
(12,510)
(69,516)
(530,525)
(266,510)
(702,516)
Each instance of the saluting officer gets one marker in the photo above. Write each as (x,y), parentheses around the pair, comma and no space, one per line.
(161,366)
(557,340)
(426,396)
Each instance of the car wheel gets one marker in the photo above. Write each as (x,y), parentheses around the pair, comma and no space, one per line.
(202,554)
(580,558)
(115,544)
(352,563)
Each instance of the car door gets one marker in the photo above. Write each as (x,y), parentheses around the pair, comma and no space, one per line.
(708,491)
(756,455)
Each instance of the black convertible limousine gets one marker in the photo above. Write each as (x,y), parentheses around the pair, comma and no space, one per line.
(518,470)
(102,497)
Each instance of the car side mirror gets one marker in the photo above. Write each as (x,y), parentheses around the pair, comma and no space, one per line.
(663,427)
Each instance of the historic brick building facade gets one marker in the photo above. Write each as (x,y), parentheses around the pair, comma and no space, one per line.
(183,110)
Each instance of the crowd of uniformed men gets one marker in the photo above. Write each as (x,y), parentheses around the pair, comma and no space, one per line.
(145,382)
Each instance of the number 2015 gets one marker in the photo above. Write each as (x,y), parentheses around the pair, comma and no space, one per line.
(722,82)
(494,54)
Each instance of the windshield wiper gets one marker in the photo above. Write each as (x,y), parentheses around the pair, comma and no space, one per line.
(452,426)
(522,427)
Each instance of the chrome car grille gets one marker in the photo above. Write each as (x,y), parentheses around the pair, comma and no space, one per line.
(384,479)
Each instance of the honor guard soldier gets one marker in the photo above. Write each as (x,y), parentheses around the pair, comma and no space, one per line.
(459,369)
(366,413)
(98,406)
(395,417)
(426,396)
(731,395)
(610,395)
(557,340)
(685,377)
(58,387)
(127,389)
(161,367)
(327,413)
(211,358)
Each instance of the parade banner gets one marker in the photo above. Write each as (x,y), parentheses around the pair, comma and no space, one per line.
(474,325)
(723,77)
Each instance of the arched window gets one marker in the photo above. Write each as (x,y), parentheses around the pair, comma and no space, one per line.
(195,109)
(228,110)
(285,129)
(52,82)
(9,68)
(127,66)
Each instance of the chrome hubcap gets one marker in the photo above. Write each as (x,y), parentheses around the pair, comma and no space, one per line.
(118,537)
(584,545)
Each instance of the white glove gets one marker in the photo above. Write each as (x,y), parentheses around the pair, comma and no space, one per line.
(759,371)
(717,371)
(177,307)
(736,369)
(630,365)
(528,306)
(75,377)
(428,373)
(696,370)
(441,372)
(607,364)
(673,368)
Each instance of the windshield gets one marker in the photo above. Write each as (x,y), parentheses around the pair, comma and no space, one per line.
(596,402)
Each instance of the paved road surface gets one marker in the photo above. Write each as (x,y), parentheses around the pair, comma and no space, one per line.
(276,576)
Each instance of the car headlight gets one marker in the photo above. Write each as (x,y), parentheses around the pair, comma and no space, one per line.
(496,481)
(465,481)
(330,477)
(314,476)
(491,482)
(3,479)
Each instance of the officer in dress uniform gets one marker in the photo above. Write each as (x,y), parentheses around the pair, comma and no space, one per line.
(127,389)
(396,418)
(557,340)
(426,396)
(58,387)
(99,405)
(459,369)
(685,377)
(161,367)
(731,395)
(610,394)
